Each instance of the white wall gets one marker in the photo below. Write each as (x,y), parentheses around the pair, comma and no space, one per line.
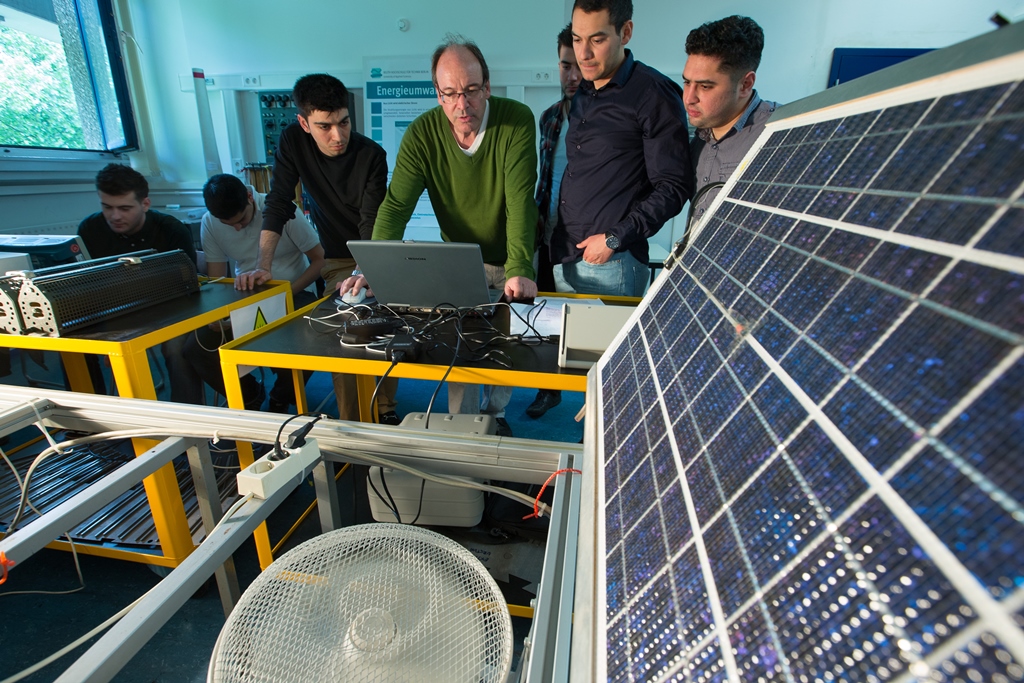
(801,34)
(280,41)
(271,37)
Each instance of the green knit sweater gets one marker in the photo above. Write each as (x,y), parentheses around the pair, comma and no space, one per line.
(486,198)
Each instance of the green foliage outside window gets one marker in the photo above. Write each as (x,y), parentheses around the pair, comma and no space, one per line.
(37,105)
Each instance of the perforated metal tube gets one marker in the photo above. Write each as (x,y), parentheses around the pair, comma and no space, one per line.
(58,303)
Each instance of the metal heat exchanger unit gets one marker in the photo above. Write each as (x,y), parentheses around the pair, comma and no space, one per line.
(59,300)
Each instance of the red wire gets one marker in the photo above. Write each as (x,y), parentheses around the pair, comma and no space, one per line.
(536,501)
(4,564)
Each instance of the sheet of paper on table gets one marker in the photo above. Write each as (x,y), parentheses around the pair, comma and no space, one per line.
(545,314)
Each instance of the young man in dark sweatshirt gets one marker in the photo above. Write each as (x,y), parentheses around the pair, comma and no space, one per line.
(346,176)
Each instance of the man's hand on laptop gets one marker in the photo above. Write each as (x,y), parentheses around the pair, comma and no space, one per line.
(520,287)
(352,285)
(250,279)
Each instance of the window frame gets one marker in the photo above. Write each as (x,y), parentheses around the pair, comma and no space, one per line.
(15,157)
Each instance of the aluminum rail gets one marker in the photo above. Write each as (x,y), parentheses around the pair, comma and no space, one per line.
(487,457)
(546,654)
(22,414)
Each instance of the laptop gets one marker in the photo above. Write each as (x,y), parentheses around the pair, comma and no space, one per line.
(422,276)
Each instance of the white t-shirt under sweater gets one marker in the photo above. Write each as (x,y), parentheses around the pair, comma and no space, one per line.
(222,243)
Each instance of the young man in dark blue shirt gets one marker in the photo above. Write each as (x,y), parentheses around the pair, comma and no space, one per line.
(628,168)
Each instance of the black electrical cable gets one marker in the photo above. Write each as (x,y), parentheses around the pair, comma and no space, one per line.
(278,451)
(693,204)
(419,509)
(384,483)
(394,510)
(430,406)
(380,381)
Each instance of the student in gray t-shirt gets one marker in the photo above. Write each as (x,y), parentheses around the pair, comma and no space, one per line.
(231,231)
(720,100)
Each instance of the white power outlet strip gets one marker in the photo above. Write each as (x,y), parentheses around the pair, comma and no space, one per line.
(265,477)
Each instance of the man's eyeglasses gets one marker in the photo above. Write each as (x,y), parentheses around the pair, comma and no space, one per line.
(472,94)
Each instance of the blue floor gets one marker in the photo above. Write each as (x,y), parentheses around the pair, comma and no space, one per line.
(34,626)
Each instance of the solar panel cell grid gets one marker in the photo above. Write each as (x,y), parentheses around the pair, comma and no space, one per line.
(860,167)
(735,583)
(832,480)
(877,211)
(677,525)
(872,428)
(978,530)
(847,411)
(829,204)
(653,640)
(953,222)
(811,370)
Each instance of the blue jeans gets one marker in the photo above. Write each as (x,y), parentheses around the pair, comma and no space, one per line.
(621,275)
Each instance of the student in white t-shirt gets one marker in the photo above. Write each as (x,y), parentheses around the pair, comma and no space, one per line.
(231,232)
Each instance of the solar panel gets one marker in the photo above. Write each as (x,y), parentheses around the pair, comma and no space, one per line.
(812,428)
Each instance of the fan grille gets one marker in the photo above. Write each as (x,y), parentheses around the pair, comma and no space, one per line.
(376,602)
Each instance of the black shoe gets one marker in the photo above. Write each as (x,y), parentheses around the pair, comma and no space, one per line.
(545,401)
(278,407)
(504,429)
(389,418)
(256,402)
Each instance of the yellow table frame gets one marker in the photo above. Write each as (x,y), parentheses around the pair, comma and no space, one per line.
(133,378)
(366,371)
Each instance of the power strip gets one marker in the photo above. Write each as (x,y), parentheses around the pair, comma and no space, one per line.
(371,327)
(265,477)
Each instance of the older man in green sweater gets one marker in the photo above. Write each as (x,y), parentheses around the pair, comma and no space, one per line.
(476,156)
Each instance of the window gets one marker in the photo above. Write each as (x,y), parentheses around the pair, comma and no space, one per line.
(61,76)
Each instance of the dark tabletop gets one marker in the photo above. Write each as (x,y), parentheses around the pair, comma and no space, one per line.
(301,337)
(138,323)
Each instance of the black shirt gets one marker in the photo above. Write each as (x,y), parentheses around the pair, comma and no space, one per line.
(628,168)
(160,232)
(346,190)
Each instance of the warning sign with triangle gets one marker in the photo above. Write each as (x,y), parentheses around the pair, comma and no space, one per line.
(261,319)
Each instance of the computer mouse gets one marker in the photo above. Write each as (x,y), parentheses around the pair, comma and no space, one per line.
(353,299)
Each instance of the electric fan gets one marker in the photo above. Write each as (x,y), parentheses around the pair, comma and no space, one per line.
(374,602)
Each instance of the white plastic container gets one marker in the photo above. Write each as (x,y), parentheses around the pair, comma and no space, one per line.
(442,505)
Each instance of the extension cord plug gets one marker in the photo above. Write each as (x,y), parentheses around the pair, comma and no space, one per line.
(265,477)
(402,348)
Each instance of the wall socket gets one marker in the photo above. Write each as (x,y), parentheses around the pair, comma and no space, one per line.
(251,81)
(542,76)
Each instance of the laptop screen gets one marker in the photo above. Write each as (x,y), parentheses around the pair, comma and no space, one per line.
(424,275)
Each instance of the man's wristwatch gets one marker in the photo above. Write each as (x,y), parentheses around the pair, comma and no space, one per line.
(611,241)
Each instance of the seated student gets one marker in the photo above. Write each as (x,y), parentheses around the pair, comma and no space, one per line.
(231,231)
(127,224)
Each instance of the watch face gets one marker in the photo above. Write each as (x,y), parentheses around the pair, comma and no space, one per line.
(611,241)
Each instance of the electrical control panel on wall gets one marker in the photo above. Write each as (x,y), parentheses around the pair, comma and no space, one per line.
(277,110)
